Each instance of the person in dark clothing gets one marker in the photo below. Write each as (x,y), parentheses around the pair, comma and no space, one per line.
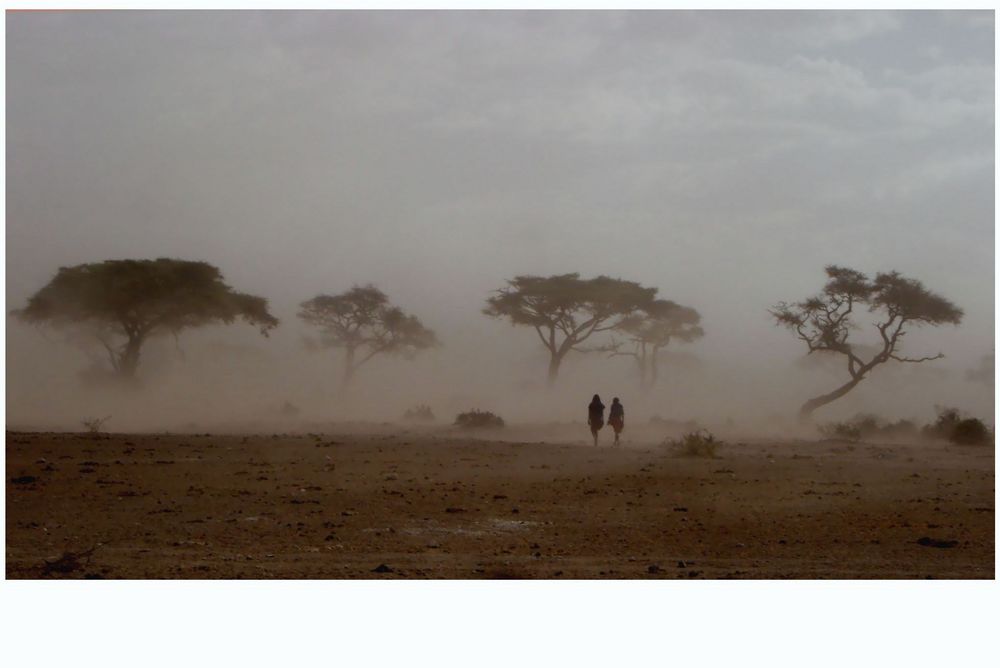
(595,416)
(617,418)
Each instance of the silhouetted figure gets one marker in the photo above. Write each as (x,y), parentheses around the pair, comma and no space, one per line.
(595,416)
(616,418)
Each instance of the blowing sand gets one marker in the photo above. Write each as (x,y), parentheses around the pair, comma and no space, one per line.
(424,504)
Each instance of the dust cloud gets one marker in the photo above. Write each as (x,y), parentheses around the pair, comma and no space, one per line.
(719,157)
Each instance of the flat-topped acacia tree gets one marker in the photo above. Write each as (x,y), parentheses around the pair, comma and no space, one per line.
(824,322)
(125,302)
(652,328)
(565,310)
(364,323)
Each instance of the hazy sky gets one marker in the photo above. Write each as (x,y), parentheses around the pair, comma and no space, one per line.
(723,157)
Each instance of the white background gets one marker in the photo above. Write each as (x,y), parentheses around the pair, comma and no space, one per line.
(803,623)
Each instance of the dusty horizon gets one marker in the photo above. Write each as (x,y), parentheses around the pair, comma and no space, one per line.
(723,158)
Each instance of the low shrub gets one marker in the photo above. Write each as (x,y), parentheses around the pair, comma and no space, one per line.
(699,443)
(845,431)
(94,425)
(476,419)
(970,431)
(954,427)
(942,428)
(868,426)
(419,413)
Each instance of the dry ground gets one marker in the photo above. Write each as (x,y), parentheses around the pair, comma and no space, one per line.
(422,504)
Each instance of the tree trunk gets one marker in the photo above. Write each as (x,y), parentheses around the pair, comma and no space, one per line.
(554,362)
(128,360)
(654,370)
(642,360)
(349,367)
(806,411)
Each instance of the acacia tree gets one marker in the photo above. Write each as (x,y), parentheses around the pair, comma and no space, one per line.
(824,322)
(565,310)
(365,324)
(653,327)
(123,303)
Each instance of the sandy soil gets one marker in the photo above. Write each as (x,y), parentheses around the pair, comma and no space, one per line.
(423,504)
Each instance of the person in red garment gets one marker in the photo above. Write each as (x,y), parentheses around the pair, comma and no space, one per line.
(617,418)
(595,416)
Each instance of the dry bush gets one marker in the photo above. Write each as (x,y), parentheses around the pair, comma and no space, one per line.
(94,425)
(868,426)
(700,443)
(845,431)
(952,426)
(420,413)
(970,431)
(476,419)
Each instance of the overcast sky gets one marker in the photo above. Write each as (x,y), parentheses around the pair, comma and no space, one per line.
(723,157)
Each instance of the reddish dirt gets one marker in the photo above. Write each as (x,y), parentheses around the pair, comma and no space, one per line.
(426,506)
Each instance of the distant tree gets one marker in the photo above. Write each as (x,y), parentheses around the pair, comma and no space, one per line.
(364,324)
(123,303)
(825,321)
(566,310)
(651,328)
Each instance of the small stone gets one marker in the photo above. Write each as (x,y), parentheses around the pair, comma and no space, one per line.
(934,542)
(653,568)
(382,568)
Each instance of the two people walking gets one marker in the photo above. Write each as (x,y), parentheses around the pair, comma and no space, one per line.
(595,417)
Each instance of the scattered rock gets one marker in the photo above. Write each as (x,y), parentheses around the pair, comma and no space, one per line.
(454,510)
(68,562)
(382,568)
(682,564)
(934,542)
(653,568)
(680,509)
(24,480)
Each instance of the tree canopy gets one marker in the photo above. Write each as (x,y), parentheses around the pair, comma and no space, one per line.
(363,322)
(565,310)
(824,322)
(127,301)
(651,328)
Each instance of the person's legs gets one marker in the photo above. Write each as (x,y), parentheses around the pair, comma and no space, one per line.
(593,430)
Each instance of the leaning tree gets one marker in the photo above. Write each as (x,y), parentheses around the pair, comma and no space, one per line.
(566,310)
(364,323)
(123,303)
(824,322)
(652,328)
